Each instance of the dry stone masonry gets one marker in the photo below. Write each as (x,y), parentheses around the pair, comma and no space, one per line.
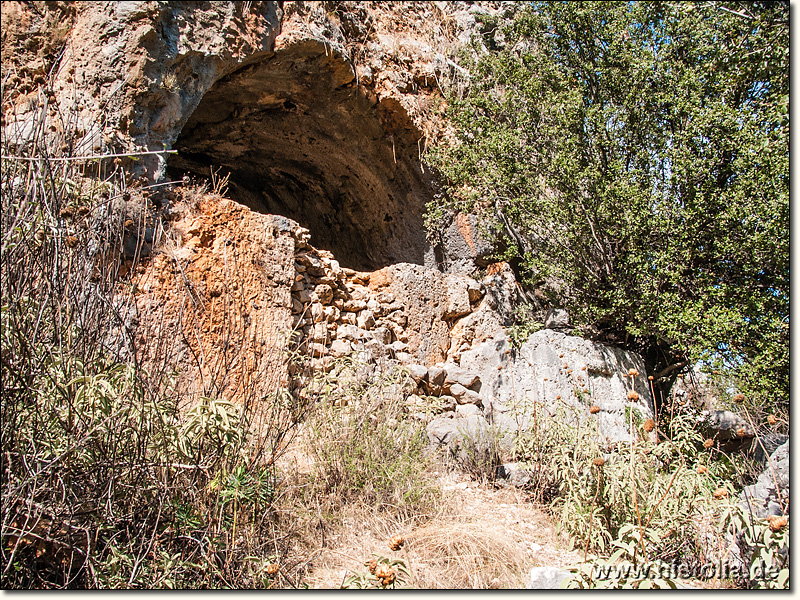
(448,331)
(319,117)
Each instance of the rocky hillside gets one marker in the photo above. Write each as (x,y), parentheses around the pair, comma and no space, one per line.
(264,162)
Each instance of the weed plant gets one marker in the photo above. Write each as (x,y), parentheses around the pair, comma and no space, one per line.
(366,446)
(666,497)
(113,476)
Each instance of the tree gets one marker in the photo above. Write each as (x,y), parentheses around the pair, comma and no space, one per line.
(634,159)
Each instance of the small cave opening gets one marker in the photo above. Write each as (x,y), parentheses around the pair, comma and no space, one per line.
(299,138)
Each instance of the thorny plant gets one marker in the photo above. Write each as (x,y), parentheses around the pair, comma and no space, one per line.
(640,491)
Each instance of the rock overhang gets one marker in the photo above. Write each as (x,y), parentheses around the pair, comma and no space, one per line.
(299,137)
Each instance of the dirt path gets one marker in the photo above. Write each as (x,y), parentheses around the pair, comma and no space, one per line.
(484,538)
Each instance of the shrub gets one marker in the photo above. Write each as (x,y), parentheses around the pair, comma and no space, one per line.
(112,475)
(365,444)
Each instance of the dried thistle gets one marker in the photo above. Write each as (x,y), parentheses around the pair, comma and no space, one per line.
(272,569)
(633,373)
(598,462)
(720,493)
(708,443)
(741,432)
(771,419)
(633,396)
(777,523)
(372,565)
(738,398)
(397,542)
(594,409)
(702,469)
(649,425)
(385,573)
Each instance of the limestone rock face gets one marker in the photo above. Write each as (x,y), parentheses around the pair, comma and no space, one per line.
(496,297)
(429,299)
(314,123)
(316,114)
(219,327)
(770,494)
(553,368)
(134,71)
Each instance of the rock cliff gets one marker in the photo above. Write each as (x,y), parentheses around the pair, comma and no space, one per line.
(312,118)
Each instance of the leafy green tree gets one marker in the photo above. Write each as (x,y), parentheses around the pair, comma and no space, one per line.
(633,159)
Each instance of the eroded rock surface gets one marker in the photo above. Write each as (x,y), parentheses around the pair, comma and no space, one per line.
(319,112)
(552,368)
(770,494)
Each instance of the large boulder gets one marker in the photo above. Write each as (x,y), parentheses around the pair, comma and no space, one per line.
(769,495)
(467,437)
(464,244)
(732,431)
(552,370)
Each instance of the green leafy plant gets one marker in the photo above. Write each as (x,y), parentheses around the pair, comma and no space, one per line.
(765,547)
(660,221)
(619,570)
(114,475)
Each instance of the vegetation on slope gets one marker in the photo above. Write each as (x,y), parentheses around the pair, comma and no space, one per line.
(634,160)
(114,477)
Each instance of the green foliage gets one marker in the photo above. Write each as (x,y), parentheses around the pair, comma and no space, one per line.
(610,573)
(113,475)
(634,157)
(600,494)
(647,512)
(766,550)
(524,325)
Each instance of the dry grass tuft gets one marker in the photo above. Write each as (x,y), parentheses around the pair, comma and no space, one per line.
(459,554)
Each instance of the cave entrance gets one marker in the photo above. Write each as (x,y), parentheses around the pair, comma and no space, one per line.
(300,139)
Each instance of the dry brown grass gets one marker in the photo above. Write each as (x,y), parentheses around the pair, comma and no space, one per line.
(477,537)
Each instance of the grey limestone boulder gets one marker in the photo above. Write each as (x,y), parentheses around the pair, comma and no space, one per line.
(552,369)
(724,425)
(769,495)
(556,318)
(765,445)
(466,435)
